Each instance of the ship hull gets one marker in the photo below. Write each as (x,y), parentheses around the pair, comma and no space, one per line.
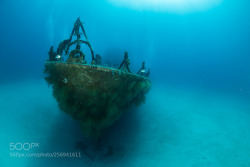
(94,95)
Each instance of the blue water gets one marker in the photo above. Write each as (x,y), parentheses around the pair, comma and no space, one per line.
(196,114)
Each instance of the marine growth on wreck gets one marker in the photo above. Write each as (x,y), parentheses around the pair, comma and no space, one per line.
(94,95)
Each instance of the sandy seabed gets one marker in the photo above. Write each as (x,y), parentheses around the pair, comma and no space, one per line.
(176,127)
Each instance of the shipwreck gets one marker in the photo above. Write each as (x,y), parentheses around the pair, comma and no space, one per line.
(93,94)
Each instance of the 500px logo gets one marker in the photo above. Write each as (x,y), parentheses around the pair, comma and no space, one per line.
(23,146)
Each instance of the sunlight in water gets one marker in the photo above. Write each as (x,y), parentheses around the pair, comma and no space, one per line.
(175,6)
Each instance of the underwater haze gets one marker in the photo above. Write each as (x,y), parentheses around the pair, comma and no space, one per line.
(197,112)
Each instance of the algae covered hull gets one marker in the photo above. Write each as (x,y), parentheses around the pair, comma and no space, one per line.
(94,95)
